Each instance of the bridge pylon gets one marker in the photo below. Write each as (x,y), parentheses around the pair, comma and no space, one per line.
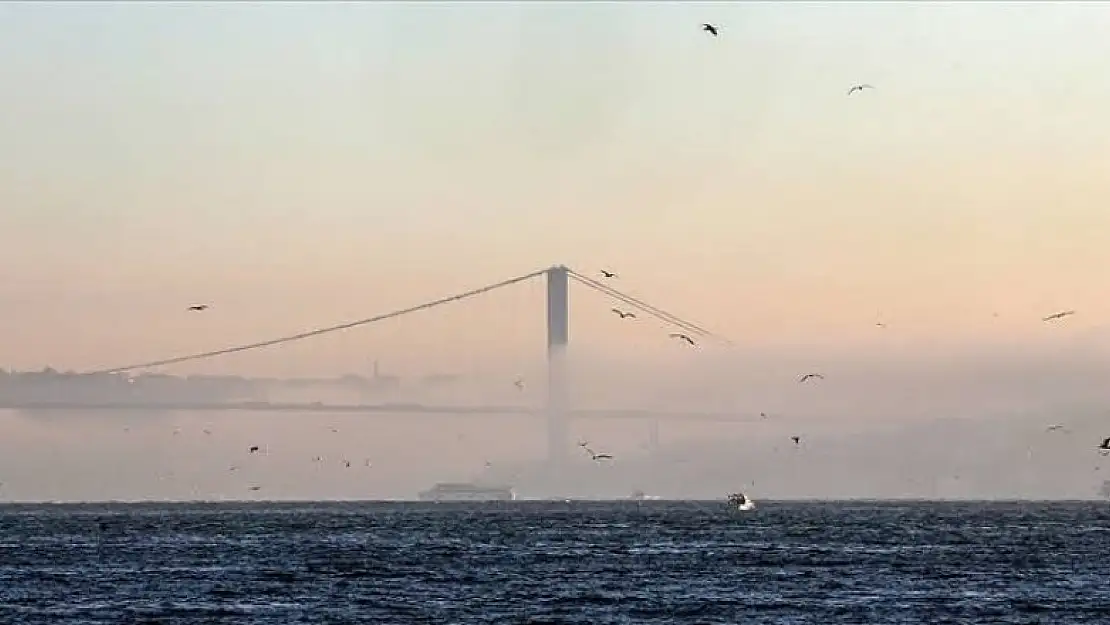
(558,328)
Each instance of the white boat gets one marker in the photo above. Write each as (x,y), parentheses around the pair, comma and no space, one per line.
(740,502)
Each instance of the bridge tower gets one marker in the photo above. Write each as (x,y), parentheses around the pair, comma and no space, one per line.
(558,326)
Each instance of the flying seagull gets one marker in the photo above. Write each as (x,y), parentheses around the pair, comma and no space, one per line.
(519,383)
(596,456)
(1105,446)
(624,315)
(608,274)
(253,449)
(1059,315)
(809,376)
(682,337)
(709,28)
(1053,428)
(197,308)
(797,440)
(859,88)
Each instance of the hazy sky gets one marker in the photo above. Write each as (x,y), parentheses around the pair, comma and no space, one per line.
(299,164)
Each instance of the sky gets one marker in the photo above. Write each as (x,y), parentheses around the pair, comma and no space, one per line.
(296,165)
(301,164)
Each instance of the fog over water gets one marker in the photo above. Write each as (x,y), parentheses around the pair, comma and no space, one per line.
(295,165)
(953,425)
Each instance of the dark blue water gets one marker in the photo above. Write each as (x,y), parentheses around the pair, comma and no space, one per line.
(659,562)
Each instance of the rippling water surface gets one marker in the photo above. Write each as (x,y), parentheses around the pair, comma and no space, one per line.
(659,562)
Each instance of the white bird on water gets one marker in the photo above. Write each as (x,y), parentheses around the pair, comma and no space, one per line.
(740,502)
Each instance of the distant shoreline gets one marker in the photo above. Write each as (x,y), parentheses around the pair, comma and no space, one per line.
(296,503)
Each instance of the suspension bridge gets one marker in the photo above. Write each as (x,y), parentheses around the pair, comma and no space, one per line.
(557,410)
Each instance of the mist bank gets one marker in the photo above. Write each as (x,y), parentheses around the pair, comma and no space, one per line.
(883,423)
(1001,456)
